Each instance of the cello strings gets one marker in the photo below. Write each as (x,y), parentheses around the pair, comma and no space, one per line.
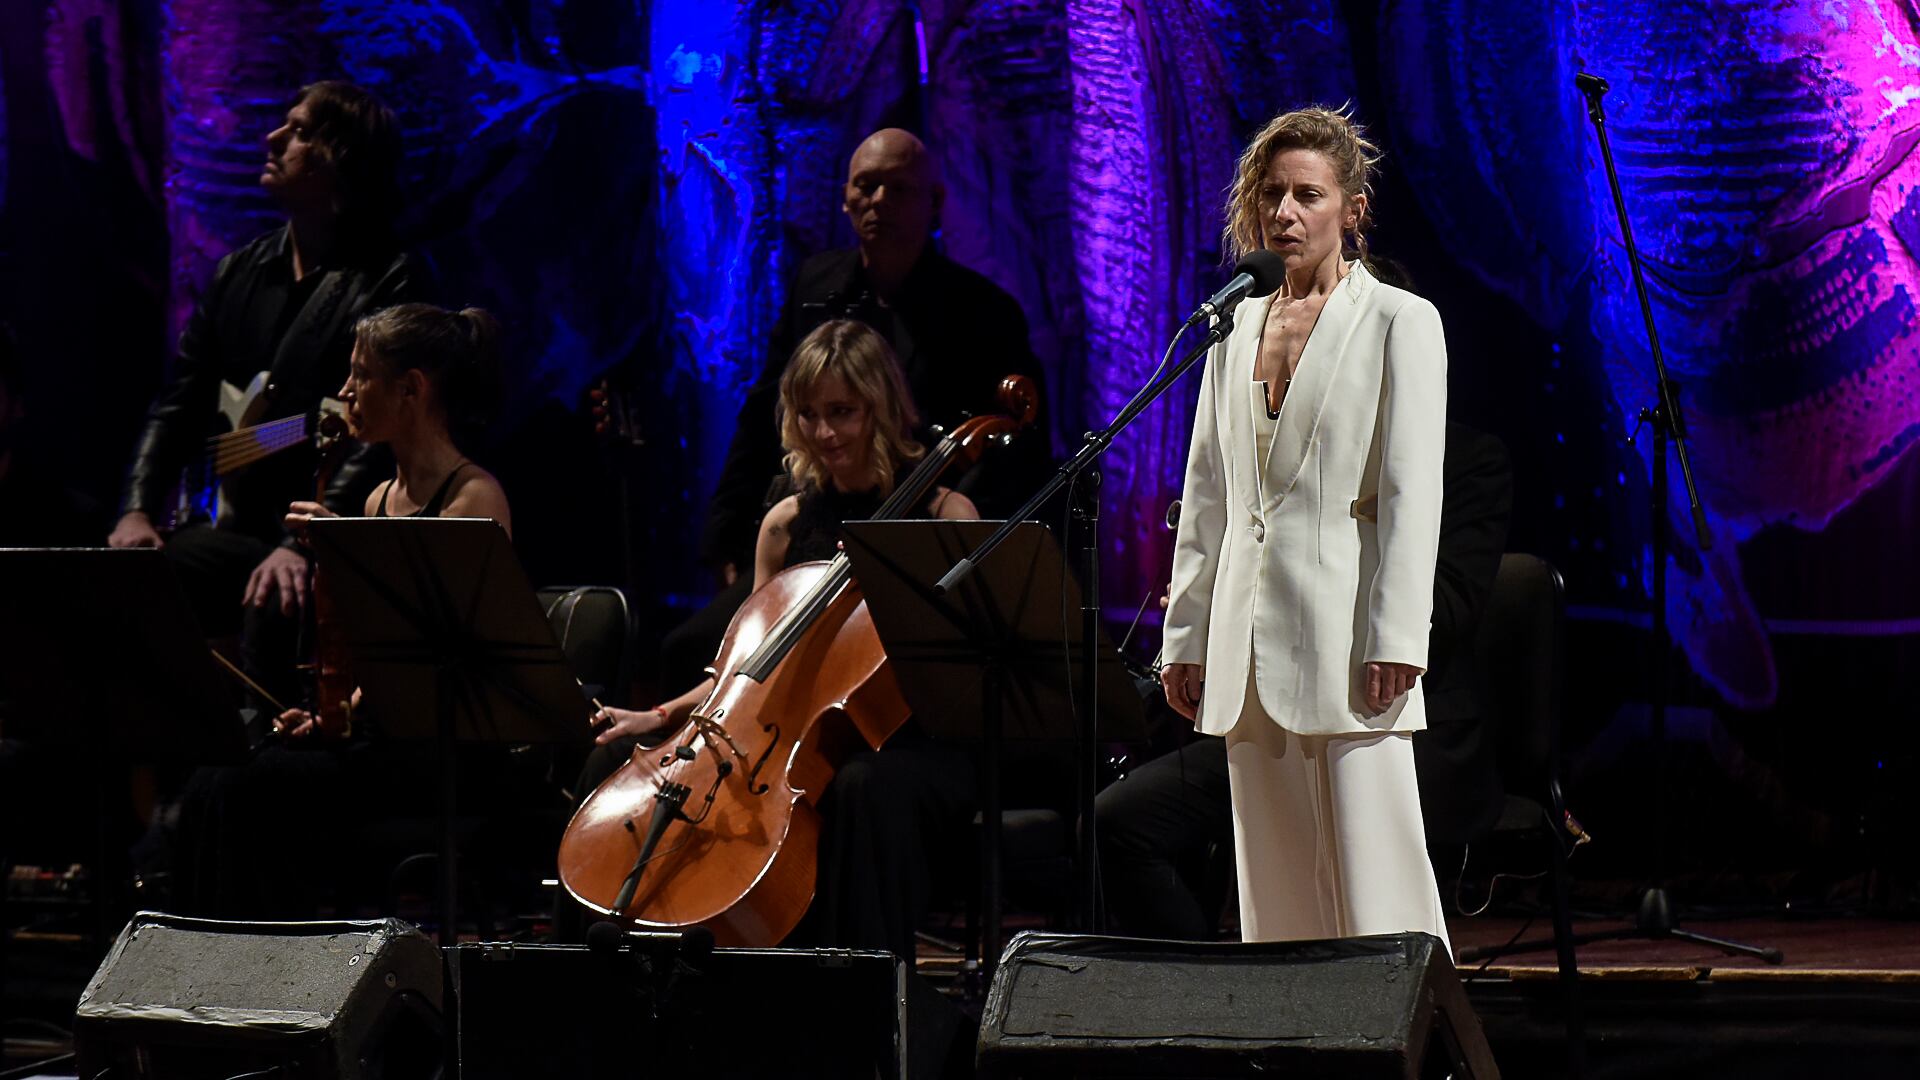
(764,659)
(784,638)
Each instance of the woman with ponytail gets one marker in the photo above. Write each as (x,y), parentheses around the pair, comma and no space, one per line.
(422,379)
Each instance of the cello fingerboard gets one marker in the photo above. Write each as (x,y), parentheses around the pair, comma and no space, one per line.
(792,628)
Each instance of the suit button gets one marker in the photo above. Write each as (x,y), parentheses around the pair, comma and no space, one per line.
(1259,531)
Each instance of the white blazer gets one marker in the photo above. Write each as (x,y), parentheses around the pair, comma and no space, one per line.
(1305,589)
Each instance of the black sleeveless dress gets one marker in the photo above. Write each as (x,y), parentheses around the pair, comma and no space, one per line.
(815,532)
(433,506)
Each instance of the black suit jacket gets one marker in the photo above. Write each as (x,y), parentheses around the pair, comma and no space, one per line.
(956,334)
(309,363)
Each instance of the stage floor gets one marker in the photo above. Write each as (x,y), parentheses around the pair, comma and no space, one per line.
(1826,946)
(1845,1002)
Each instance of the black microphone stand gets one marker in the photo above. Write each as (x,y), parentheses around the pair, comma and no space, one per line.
(1087,511)
(1655,919)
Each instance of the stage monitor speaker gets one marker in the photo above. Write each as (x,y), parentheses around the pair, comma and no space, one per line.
(1389,1007)
(564,1010)
(178,997)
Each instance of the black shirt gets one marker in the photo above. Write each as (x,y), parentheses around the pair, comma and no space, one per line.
(255,317)
(956,334)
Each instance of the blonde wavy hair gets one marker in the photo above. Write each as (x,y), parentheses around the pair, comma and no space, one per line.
(859,355)
(1330,132)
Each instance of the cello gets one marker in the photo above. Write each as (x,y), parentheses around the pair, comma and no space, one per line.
(718,825)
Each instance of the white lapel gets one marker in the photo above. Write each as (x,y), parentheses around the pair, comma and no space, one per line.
(1320,362)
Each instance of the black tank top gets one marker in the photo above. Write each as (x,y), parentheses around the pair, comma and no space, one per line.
(815,532)
(433,506)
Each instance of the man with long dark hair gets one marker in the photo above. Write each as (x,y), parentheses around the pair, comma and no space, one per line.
(279,313)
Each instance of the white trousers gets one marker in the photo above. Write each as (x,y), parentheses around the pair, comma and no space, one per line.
(1327,834)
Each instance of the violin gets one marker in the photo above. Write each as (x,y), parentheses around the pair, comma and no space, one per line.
(718,826)
(332,681)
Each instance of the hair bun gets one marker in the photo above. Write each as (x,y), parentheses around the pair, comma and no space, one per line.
(459,351)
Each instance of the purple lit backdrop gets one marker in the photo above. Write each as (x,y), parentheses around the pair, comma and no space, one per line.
(1767,150)
(630,185)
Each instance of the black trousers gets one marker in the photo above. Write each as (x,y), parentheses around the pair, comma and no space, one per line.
(298,830)
(896,825)
(1156,826)
(213,566)
(266,839)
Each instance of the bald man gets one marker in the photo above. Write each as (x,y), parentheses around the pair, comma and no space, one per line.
(956,333)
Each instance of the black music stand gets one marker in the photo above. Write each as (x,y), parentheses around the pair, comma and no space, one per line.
(449,644)
(100,654)
(995,658)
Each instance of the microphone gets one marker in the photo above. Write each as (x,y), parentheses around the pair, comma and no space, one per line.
(1590,85)
(607,938)
(1257,274)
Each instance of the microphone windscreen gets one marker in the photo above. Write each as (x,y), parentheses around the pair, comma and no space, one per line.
(605,937)
(1266,269)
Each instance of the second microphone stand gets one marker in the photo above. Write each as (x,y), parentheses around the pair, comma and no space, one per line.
(1655,918)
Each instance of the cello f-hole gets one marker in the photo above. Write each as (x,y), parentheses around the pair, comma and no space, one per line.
(772,745)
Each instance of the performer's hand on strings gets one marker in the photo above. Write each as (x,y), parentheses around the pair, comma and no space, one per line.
(1386,682)
(1182,683)
(282,574)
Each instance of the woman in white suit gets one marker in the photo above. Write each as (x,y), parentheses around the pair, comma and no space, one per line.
(1303,573)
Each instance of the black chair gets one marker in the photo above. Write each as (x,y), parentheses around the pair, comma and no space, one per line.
(594,626)
(1520,648)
